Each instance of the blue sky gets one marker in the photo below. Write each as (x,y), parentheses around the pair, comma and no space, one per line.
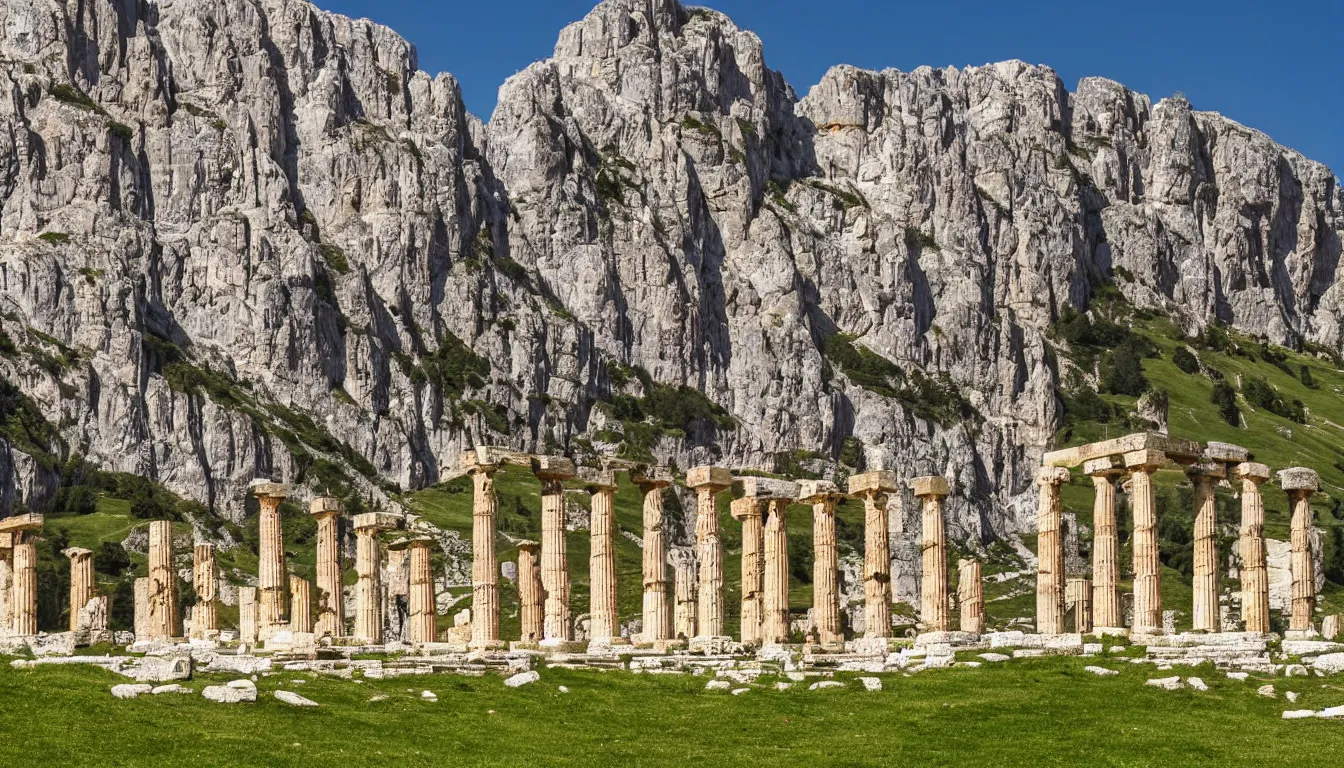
(1275,66)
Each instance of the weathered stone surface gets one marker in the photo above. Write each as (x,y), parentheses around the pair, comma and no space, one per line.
(159,669)
(294,699)
(522,678)
(1299,479)
(233,693)
(1101,671)
(130,690)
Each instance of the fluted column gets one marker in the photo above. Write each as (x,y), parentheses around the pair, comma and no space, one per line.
(330,587)
(530,592)
(6,583)
(873,488)
(81,582)
(270,560)
(163,623)
(1105,544)
(748,512)
(823,495)
(24,600)
(247,615)
(1147,566)
(1078,598)
(602,606)
(552,471)
(684,616)
(709,482)
(300,605)
(1254,569)
(368,588)
(1049,553)
(931,491)
(775,610)
(205,580)
(971,596)
(141,592)
(424,616)
(484,561)
(657,618)
(1300,483)
(1205,608)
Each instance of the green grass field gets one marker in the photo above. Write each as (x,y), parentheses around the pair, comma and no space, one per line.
(1038,712)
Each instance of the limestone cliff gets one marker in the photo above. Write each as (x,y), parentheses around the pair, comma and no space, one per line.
(245,238)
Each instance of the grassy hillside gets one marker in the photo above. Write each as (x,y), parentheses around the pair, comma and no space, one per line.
(1036,712)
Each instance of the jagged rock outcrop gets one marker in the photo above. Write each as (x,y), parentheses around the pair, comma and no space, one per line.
(245,238)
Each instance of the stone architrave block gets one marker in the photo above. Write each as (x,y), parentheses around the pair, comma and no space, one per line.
(767,488)
(717,478)
(1299,479)
(932,485)
(881,481)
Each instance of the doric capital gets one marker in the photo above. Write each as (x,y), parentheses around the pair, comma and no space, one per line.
(27,522)
(1145,460)
(376,521)
(744,508)
(410,542)
(321,506)
(714,478)
(649,478)
(528,546)
(1052,476)
(76,552)
(763,488)
(267,490)
(1206,471)
(1104,467)
(1225,453)
(881,481)
(933,486)
(1299,479)
(488,458)
(816,491)
(595,480)
(1249,470)
(553,467)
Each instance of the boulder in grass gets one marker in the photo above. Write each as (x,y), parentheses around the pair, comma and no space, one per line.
(522,678)
(130,690)
(1166,683)
(294,699)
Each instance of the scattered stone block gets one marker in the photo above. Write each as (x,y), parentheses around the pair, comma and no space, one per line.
(1267,690)
(563,689)
(1166,683)
(429,696)
(994,657)
(1101,671)
(740,691)
(1295,670)
(825,684)
(522,678)
(1028,653)
(170,688)
(782,686)
(158,669)
(294,699)
(233,693)
(718,685)
(1237,675)
(1331,712)
(1197,683)
(130,690)
(1330,663)
(871,683)
(1298,714)
(1291,696)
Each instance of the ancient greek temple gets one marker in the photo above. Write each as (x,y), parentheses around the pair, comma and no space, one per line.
(684,605)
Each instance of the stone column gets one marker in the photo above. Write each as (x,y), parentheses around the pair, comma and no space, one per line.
(205,580)
(709,482)
(1205,609)
(1300,483)
(530,592)
(484,562)
(657,618)
(971,596)
(368,589)
(775,610)
(300,605)
(931,490)
(683,569)
(141,592)
(553,471)
(247,615)
(873,488)
(330,587)
(163,621)
(6,582)
(1147,566)
(424,614)
(1105,544)
(1078,598)
(748,512)
(1254,572)
(270,560)
(603,613)
(1049,553)
(81,582)
(23,600)
(823,495)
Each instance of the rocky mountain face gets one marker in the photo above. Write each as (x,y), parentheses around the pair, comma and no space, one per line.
(247,238)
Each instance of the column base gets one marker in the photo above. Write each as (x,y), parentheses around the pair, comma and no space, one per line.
(1110,631)
(870,645)
(1301,634)
(712,645)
